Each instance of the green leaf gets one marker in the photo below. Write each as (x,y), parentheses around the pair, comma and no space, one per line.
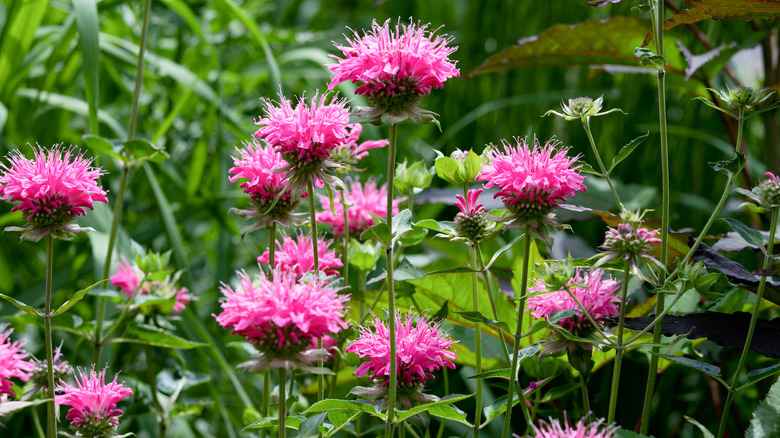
(75,299)
(704,430)
(502,250)
(290,422)
(750,235)
(18,37)
(713,105)
(431,224)
(761,374)
(447,169)
(766,417)
(623,433)
(379,232)
(626,150)
(9,407)
(471,167)
(730,167)
(559,315)
(402,222)
(89,28)
(373,408)
(502,373)
(708,369)
(598,41)
(310,428)
(21,305)
(587,168)
(99,146)
(72,104)
(724,10)
(452,413)
(143,150)
(148,335)
(474,316)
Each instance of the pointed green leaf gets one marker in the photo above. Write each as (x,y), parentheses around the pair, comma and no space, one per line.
(587,168)
(310,428)
(291,422)
(144,150)
(453,414)
(626,150)
(20,305)
(724,10)
(708,369)
(9,407)
(143,334)
(480,318)
(447,169)
(730,167)
(75,299)
(373,408)
(379,232)
(766,418)
(713,105)
(503,374)
(761,374)
(705,432)
(750,235)
(502,250)
(86,12)
(402,222)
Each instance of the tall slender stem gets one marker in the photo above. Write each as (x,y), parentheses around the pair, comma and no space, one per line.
(392,140)
(51,423)
(282,402)
(315,250)
(513,369)
(345,248)
(586,125)
(657,14)
(151,376)
(478,340)
(362,289)
(585,397)
(119,202)
(492,298)
(752,327)
(613,395)
(267,374)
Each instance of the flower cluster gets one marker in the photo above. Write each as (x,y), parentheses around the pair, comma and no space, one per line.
(13,362)
(131,279)
(767,193)
(471,223)
(60,370)
(364,201)
(595,293)
(629,243)
(295,255)
(554,429)
(54,188)
(305,136)
(93,411)
(531,180)
(280,316)
(396,66)
(258,167)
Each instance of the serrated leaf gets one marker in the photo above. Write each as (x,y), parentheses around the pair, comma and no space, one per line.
(587,168)
(730,167)
(142,150)
(697,61)
(762,373)
(142,334)
(290,422)
(766,417)
(75,299)
(503,373)
(402,222)
(379,232)
(626,150)
(20,305)
(724,10)
(750,235)
(474,316)
(310,428)
(706,368)
(445,401)
(447,169)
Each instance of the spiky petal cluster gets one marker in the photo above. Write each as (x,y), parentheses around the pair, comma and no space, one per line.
(595,293)
(305,135)
(295,255)
(131,279)
(280,315)
(554,429)
(768,191)
(258,168)
(53,188)
(127,278)
(396,66)
(629,243)
(348,154)
(421,349)
(13,361)
(532,180)
(471,223)
(93,411)
(364,201)
(60,369)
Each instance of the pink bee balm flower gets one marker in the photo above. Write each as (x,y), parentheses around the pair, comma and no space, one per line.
(348,154)
(629,243)
(396,66)
(93,403)
(471,224)
(13,361)
(54,188)
(128,277)
(596,294)
(420,349)
(280,316)
(531,180)
(295,255)
(305,135)
(553,429)
(183,297)
(258,168)
(364,202)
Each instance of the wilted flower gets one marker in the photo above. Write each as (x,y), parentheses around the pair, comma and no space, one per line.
(420,350)
(305,136)
(13,361)
(553,429)
(93,411)
(364,201)
(54,188)
(532,180)
(582,107)
(295,255)
(280,317)
(159,284)
(471,223)
(596,294)
(258,166)
(60,370)
(348,154)
(396,68)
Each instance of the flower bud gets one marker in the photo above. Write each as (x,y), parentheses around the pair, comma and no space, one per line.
(768,191)
(414,178)
(460,167)
(743,96)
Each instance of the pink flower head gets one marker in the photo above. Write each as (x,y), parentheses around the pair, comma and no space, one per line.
(767,193)
(93,403)
(553,429)
(628,243)
(54,188)
(13,362)
(128,278)
(596,294)
(469,206)
(364,202)
(349,153)
(531,180)
(396,66)
(471,224)
(296,255)
(183,297)
(420,350)
(280,315)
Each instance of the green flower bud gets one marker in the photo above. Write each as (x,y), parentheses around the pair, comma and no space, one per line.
(414,178)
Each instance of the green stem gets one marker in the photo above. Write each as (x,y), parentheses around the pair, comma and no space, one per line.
(752,326)
(613,394)
(314,243)
(266,397)
(586,124)
(585,312)
(151,376)
(393,138)
(657,15)
(362,289)
(264,407)
(478,340)
(489,286)
(51,416)
(345,248)
(585,397)
(446,375)
(139,77)
(513,369)
(282,401)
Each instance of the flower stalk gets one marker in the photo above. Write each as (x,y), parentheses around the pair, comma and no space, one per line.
(489,286)
(51,415)
(393,139)
(586,125)
(316,252)
(282,402)
(619,347)
(478,339)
